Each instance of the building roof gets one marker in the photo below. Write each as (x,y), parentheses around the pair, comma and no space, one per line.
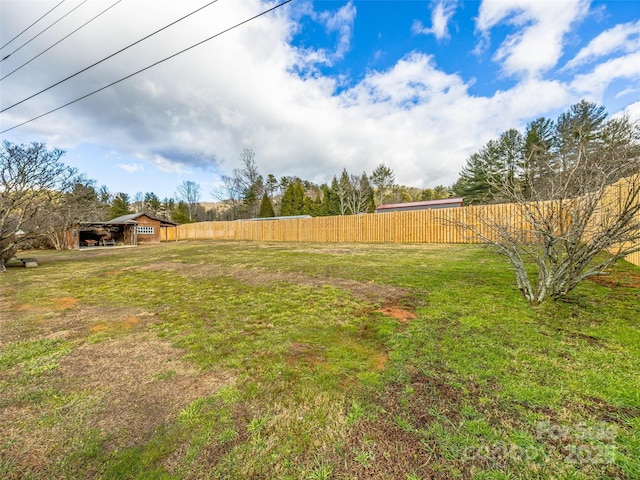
(428,203)
(131,219)
(124,219)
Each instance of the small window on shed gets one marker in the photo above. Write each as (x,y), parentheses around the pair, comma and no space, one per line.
(145,230)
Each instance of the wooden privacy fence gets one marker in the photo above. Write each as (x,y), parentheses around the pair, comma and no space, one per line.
(419,226)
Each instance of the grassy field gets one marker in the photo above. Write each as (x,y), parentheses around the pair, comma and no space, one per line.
(305,361)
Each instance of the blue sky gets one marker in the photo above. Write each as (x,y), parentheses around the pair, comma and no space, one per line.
(313,87)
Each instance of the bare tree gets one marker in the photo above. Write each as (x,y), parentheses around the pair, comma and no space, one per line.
(250,183)
(189,193)
(585,202)
(66,209)
(243,190)
(229,193)
(30,178)
(360,197)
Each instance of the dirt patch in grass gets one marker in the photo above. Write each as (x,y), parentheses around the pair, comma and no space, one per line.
(382,450)
(75,322)
(618,280)
(119,325)
(127,373)
(25,307)
(403,316)
(113,272)
(388,446)
(124,389)
(380,361)
(606,412)
(312,355)
(332,251)
(64,303)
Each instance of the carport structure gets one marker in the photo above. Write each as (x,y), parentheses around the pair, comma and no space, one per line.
(127,230)
(113,232)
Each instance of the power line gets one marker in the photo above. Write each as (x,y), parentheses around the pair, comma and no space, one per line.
(108,57)
(32,25)
(36,36)
(150,66)
(62,39)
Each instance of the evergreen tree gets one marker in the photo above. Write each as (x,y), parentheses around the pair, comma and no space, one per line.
(382,178)
(327,202)
(333,199)
(473,185)
(166,207)
(538,153)
(120,206)
(266,207)
(152,204)
(293,200)
(498,164)
(309,206)
(180,214)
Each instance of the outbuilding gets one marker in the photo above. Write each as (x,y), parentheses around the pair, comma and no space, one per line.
(127,230)
(429,204)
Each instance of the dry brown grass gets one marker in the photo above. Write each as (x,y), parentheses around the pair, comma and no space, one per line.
(119,381)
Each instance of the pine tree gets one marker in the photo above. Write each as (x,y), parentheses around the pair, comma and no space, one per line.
(120,206)
(266,207)
(180,213)
(293,200)
(382,179)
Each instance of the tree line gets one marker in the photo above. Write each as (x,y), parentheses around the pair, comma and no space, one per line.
(246,193)
(527,163)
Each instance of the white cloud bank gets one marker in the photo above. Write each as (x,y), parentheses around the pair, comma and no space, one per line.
(244,89)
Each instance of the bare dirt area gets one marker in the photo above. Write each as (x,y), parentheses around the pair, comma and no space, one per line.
(115,383)
(66,319)
(403,316)
(142,382)
(618,280)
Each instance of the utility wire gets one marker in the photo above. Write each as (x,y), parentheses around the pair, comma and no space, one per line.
(108,57)
(31,25)
(62,39)
(33,38)
(150,66)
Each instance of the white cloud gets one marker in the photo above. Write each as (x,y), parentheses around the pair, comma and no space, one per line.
(627,91)
(595,82)
(536,44)
(633,111)
(340,22)
(441,13)
(131,167)
(623,38)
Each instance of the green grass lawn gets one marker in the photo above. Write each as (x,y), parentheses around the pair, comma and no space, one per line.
(313,361)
